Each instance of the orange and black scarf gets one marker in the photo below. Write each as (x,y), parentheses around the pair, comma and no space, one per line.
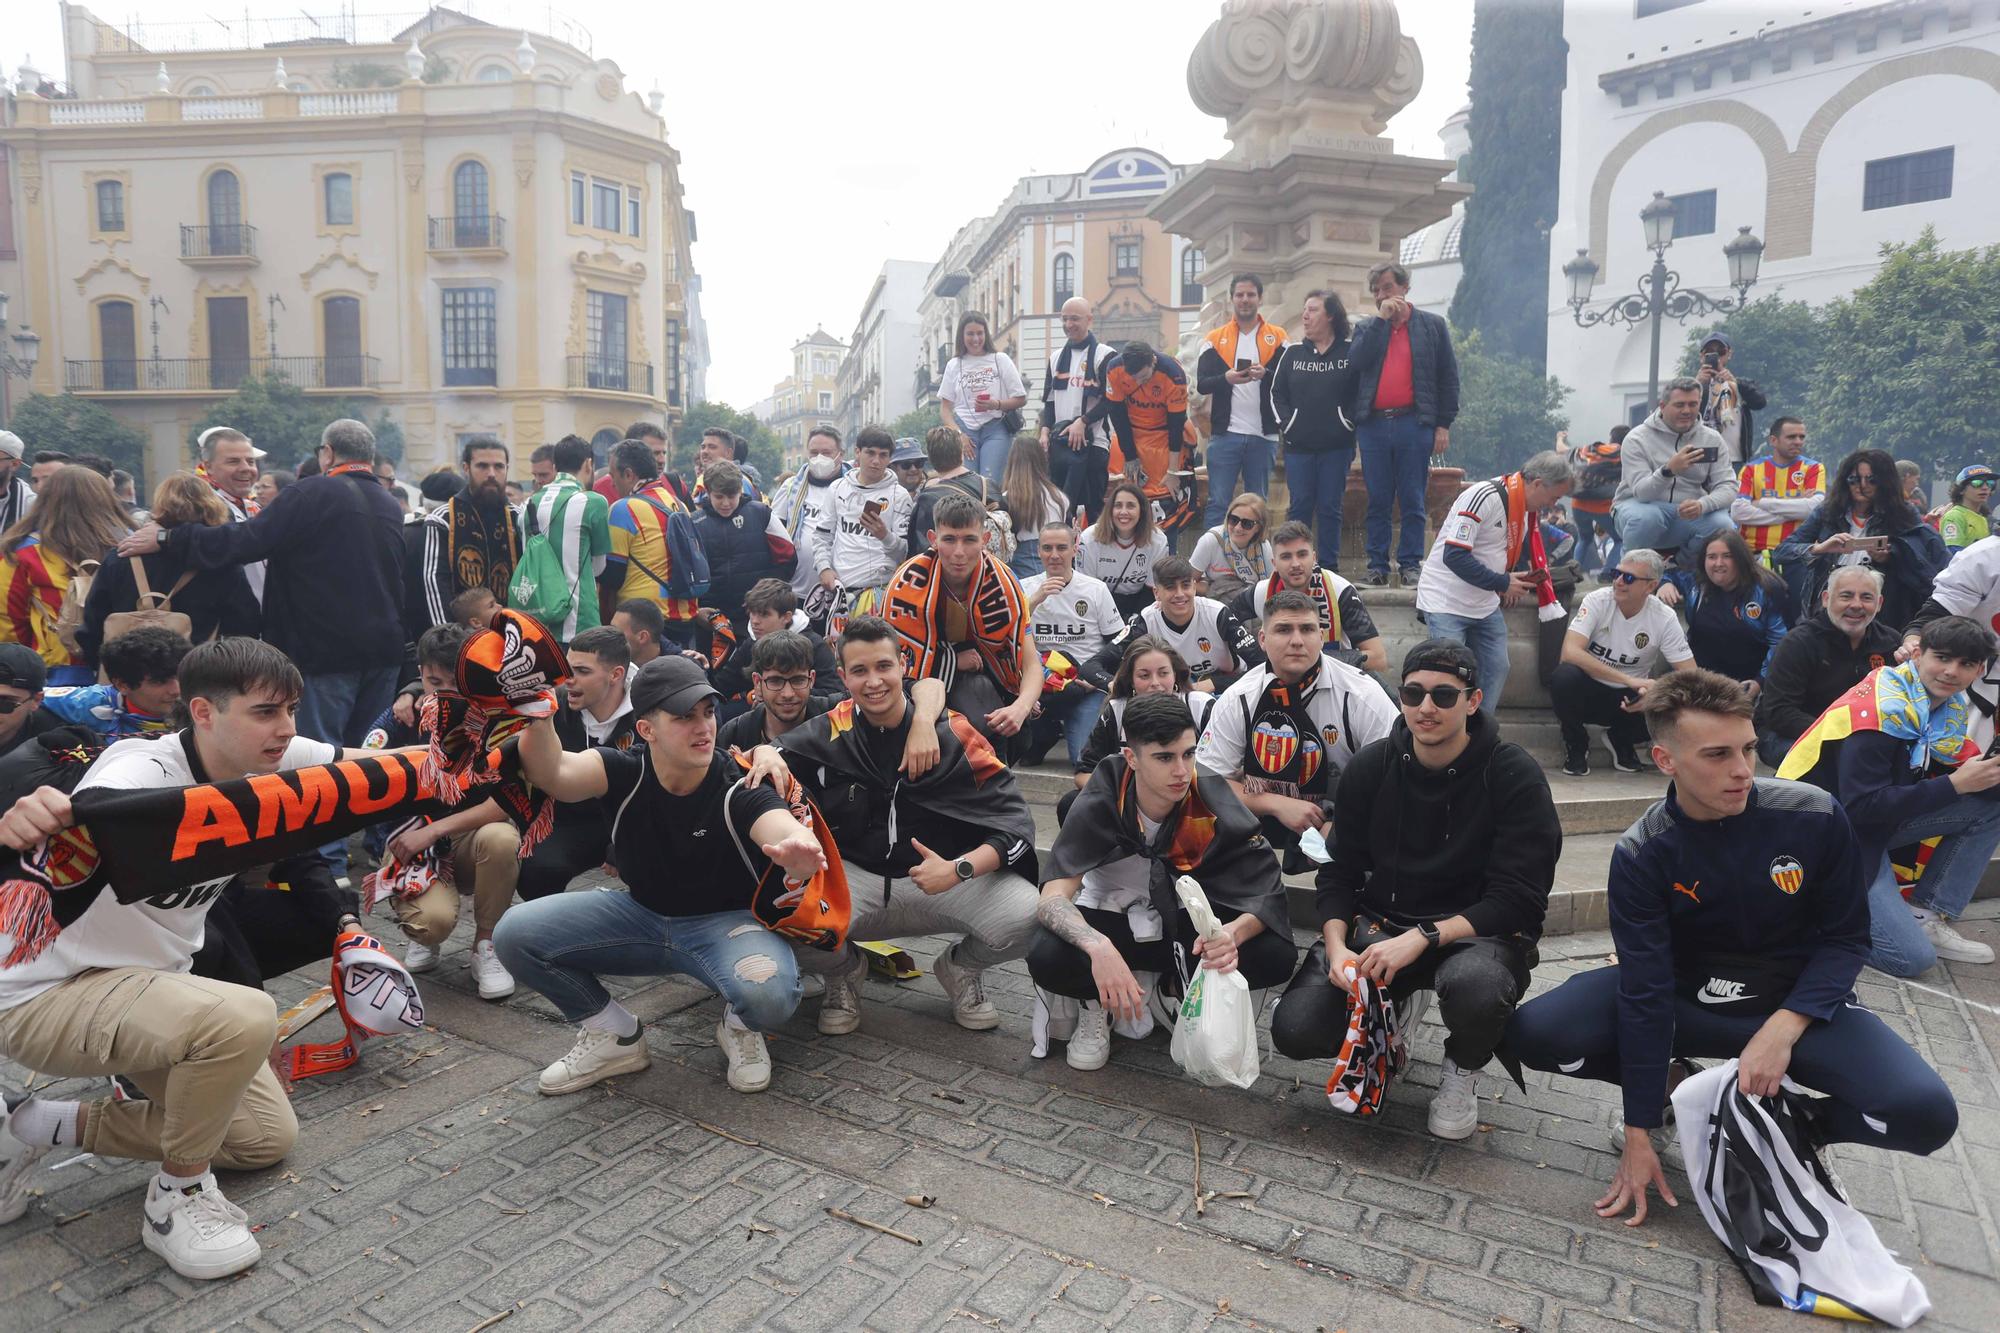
(1324,601)
(1210,835)
(995,611)
(1521,523)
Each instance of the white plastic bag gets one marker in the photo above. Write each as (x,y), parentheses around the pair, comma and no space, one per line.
(1215,1038)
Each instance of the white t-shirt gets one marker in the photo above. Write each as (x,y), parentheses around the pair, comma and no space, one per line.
(1477,523)
(966,377)
(1080,619)
(1216,557)
(1117,885)
(1347,708)
(1634,646)
(1246,407)
(161,933)
(1128,569)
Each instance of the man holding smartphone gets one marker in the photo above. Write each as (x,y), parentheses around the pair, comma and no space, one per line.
(860,538)
(1234,375)
(1677,484)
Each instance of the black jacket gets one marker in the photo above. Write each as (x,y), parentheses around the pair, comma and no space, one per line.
(1479,839)
(1814,665)
(739,551)
(1919,555)
(1310,392)
(333,589)
(215,601)
(1433,368)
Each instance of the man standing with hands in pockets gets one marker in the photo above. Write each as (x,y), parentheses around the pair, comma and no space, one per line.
(1406,397)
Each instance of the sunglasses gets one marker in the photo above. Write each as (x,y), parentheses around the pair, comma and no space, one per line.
(1444,696)
(1240,521)
(1628,578)
(1861,479)
(7,706)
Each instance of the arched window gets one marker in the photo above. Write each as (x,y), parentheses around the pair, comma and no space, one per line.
(226,233)
(470,204)
(1191,262)
(493,74)
(1065,276)
(339,202)
(340,317)
(117,341)
(601,445)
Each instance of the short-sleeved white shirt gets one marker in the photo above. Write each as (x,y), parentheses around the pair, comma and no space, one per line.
(1080,619)
(1636,645)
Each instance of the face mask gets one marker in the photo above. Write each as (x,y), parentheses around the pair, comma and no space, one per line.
(823,468)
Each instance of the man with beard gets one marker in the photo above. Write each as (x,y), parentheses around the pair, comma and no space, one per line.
(800,502)
(472,540)
(229,465)
(1823,657)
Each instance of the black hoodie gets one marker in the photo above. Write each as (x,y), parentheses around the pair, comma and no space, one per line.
(1478,838)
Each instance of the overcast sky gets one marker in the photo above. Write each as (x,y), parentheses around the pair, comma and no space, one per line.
(817,140)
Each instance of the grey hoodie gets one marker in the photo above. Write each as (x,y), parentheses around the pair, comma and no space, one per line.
(1646,478)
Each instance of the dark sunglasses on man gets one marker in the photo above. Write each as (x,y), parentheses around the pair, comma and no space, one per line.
(1444,696)
(7,706)
(1627,577)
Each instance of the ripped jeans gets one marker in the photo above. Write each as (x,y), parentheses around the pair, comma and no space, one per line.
(562,944)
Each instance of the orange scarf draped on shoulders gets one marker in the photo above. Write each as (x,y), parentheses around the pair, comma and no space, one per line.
(995,610)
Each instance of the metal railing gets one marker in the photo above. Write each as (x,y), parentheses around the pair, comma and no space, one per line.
(593,372)
(221,241)
(485,231)
(218,374)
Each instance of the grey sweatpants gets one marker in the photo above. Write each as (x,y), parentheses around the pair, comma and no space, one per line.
(995,915)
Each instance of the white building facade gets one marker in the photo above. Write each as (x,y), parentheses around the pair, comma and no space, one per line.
(875,382)
(1826,134)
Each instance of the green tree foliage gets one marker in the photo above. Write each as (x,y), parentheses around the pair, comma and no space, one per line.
(913,424)
(284,421)
(1910,358)
(73,425)
(1507,410)
(767,454)
(1778,345)
(1518,71)
(366,74)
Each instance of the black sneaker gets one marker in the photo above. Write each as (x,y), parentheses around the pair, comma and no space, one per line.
(1409,574)
(1576,761)
(1376,578)
(1624,758)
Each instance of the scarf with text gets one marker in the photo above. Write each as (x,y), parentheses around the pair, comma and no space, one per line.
(1325,601)
(995,610)
(1519,521)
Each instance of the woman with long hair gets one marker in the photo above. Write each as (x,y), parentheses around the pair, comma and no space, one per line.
(217,602)
(1150,666)
(1032,499)
(75,518)
(1736,610)
(1235,553)
(980,387)
(1122,545)
(1866,520)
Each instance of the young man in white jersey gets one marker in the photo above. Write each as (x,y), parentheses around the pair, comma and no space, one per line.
(1073,614)
(1350,631)
(1208,635)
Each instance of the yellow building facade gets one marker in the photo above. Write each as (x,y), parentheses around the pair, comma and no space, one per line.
(480,229)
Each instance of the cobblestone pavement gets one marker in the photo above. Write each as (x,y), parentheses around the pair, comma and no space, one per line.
(432,1187)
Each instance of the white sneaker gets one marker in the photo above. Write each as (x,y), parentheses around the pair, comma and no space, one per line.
(495,981)
(1090,1044)
(17,1164)
(419,958)
(1950,944)
(198,1232)
(970,1008)
(596,1056)
(840,1006)
(749,1059)
(1410,1011)
(1455,1107)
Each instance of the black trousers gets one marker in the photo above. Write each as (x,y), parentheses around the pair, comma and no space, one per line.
(255,933)
(1059,966)
(1083,475)
(1478,983)
(570,850)
(1578,700)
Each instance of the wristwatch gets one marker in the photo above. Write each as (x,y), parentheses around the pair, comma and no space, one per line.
(963,866)
(1429,931)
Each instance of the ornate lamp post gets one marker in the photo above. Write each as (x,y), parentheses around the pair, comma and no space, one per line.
(1660,293)
(19,362)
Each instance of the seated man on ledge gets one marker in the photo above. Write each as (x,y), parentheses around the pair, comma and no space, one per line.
(1739,913)
(1444,849)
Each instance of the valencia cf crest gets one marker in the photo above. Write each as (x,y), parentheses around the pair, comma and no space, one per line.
(1276,744)
(1203,643)
(1082,606)
(1875,661)
(1754,610)
(1641,639)
(1788,874)
(1330,734)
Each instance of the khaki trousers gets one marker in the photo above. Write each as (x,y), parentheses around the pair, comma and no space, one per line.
(200,1049)
(488,859)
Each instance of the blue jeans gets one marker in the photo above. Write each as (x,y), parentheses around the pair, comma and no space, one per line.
(1318,484)
(1026,562)
(1486,636)
(1070,714)
(1232,454)
(561,944)
(1395,465)
(990,444)
(1970,827)
(1652,525)
(1590,552)
(338,707)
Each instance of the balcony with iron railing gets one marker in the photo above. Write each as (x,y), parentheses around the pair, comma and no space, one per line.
(221,244)
(220,374)
(477,231)
(594,372)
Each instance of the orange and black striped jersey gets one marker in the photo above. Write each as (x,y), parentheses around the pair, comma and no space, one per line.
(1148,419)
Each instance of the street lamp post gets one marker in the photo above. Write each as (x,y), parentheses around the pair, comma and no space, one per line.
(20,362)
(1660,293)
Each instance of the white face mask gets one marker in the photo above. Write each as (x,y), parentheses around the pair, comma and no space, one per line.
(822,468)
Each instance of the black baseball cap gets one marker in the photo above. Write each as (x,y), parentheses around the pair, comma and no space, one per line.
(22,667)
(673,683)
(1446,655)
